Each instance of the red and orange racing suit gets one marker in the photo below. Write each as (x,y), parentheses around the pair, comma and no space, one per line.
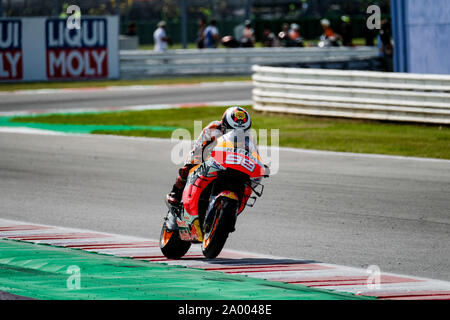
(200,152)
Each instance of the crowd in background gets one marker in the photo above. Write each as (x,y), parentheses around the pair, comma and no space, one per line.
(290,35)
(208,36)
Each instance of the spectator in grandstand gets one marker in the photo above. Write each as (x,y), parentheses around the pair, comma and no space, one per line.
(294,35)
(346,31)
(200,33)
(269,39)
(284,36)
(385,46)
(248,35)
(369,36)
(160,37)
(211,35)
(63,14)
(329,37)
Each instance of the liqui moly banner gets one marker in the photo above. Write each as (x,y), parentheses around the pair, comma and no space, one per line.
(11,50)
(47,49)
(79,53)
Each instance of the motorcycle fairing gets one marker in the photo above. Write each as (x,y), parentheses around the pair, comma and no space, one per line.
(199,179)
(196,183)
(224,156)
(189,228)
(239,152)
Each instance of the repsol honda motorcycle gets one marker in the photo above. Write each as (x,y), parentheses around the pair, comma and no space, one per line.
(216,193)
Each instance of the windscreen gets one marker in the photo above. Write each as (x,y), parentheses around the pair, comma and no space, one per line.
(239,139)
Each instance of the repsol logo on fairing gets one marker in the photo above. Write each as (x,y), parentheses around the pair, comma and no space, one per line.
(77,53)
(11,50)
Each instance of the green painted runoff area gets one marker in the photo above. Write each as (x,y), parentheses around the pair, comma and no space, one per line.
(79,128)
(44,272)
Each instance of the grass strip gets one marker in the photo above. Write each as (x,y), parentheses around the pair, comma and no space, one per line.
(331,134)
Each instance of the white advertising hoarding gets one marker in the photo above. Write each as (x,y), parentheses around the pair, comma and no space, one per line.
(40,49)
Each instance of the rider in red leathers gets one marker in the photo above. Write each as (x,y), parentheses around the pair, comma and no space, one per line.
(233,118)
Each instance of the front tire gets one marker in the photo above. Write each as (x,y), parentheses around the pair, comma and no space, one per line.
(171,245)
(224,221)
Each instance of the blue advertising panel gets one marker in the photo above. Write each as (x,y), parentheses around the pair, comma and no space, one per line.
(422,36)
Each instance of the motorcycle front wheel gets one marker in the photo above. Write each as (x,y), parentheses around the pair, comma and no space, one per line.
(171,245)
(224,220)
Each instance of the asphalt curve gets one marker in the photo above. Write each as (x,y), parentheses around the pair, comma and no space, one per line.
(350,210)
(126,97)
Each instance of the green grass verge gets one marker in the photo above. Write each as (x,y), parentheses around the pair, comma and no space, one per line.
(331,134)
(107,83)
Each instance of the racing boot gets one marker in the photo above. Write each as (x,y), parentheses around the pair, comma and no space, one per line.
(174,197)
(171,221)
(173,202)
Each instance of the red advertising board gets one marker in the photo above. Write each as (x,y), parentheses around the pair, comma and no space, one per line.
(76,53)
(11,56)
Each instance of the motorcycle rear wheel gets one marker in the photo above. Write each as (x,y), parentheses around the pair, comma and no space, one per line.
(224,221)
(171,245)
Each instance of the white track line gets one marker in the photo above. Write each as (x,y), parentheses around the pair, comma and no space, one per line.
(123,88)
(267,267)
(25,130)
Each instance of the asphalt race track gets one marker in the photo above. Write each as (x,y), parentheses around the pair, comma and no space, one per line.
(353,210)
(124,96)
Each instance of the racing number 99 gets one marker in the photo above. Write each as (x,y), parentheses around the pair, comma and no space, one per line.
(240,160)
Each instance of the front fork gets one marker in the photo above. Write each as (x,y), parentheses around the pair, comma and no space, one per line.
(210,213)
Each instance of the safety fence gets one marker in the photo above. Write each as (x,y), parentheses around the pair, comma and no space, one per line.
(353,94)
(239,61)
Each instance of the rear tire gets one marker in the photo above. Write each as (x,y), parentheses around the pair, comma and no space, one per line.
(171,245)
(224,221)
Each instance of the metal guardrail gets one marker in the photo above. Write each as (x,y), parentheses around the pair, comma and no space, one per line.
(353,94)
(148,63)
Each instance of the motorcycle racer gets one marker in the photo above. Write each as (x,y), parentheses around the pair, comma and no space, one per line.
(233,118)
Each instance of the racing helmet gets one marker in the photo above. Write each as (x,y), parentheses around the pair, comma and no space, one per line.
(325,22)
(235,118)
(295,26)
